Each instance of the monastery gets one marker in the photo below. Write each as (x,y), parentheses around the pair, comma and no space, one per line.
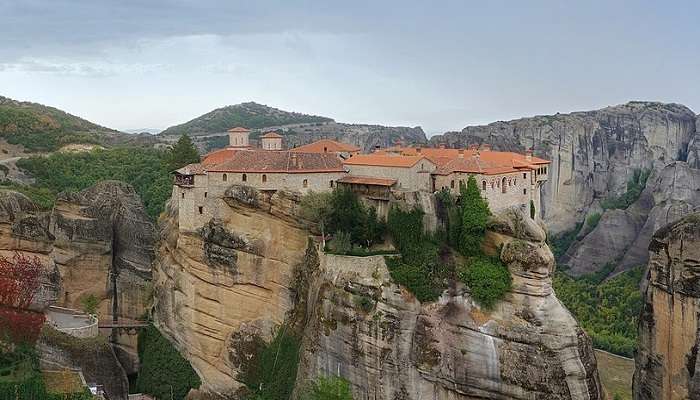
(506,179)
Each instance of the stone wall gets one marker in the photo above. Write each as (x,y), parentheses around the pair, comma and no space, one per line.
(409,179)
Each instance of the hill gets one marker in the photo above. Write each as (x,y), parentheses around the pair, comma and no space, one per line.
(250,115)
(42,128)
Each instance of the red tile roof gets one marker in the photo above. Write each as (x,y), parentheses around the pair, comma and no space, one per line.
(326,146)
(382,160)
(221,155)
(191,169)
(279,161)
(366,180)
(239,129)
(271,135)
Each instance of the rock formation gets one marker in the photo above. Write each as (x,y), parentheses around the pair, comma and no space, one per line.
(669,333)
(367,137)
(229,285)
(593,153)
(622,236)
(529,346)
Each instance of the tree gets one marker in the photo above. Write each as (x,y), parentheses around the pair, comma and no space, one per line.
(90,304)
(329,388)
(488,280)
(183,152)
(475,213)
(316,207)
(19,283)
(347,211)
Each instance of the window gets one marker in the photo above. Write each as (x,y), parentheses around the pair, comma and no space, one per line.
(201,209)
(503,185)
(452,184)
(524,175)
(264,178)
(493,185)
(224,178)
(325,149)
(515,182)
(305,183)
(244,178)
(483,185)
(183,195)
(205,195)
(332,183)
(524,191)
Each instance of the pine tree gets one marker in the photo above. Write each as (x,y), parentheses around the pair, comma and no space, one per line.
(475,212)
(183,152)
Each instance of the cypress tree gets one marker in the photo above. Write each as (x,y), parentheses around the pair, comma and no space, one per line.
(475,212)
(183,152)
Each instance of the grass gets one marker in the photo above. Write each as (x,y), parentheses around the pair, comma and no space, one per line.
(61,382)
(615,374)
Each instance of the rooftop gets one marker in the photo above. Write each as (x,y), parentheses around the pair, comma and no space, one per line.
(271,135)
(366,180)
(239,129)
(219,156)
(278,161)
(326,146)
(383,160)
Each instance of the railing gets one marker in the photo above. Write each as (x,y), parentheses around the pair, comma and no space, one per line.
(184,180)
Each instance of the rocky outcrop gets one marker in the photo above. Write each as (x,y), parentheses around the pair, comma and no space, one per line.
(229,283)
(669,334)
(529,346)
(367,137)
(622,236)
(593,153)
(223,290)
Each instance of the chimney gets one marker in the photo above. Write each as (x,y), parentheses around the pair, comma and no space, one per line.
(528,154)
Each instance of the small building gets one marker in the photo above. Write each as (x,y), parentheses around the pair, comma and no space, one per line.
(271,141)
(411,173)
(375,192)
(238,137)
(342,150)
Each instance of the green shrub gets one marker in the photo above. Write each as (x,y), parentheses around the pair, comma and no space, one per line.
(592,220)
(609,310)
(90,303)
(532,209)
(329,388)
(561,243)
(417,279)
(164,372)
(347,214)
(635,186)
(364,303)
(271,374)
(44,198)
(488,280)
(182,153)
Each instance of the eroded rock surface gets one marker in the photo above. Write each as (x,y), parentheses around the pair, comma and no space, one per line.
(593,153)
(529,346)
(669,335)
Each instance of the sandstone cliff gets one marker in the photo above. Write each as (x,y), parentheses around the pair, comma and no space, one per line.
(529,346)
(593,153)
(229,284)
(669,333)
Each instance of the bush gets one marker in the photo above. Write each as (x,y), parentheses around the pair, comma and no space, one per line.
(561,243)
(271,374)
(608,311)
(341,243)
(329,388)
(364,303)
(488,280)
(348,214)
(532,209)
(475,213)
(90,304)
(164,372)
(423,282)
(635,186)
(592,220)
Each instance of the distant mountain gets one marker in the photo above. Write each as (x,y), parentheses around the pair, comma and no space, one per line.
(250,115)
(150,131)
(42,128)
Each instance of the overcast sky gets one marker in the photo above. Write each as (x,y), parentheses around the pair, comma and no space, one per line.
(438,64)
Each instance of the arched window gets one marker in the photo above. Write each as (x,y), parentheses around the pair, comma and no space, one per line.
(205,195)
(224,178)
(503,185)
(325,149)
(452,184)
(493,185)
(183,195)
(264,178)
(305,183)
(244,178)
(483,185)
(524,175)
(200,209)
(332,183)
(515,182)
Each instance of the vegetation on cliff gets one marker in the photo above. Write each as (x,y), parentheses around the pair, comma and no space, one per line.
(329,388)
(607,310)
(271,373)
(250,115)
(164,373)
(635,186)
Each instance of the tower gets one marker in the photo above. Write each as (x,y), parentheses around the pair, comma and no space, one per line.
(238,137)
(271,141)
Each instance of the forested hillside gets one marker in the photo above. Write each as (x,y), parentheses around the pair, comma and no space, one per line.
(250,115)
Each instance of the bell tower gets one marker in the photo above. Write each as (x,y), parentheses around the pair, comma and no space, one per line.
(238,137)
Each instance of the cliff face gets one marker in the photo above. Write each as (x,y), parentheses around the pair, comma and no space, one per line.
(593,153)
(367,137)
(79,240)
(669,333)
(222,288)
(622,236)
(528,346)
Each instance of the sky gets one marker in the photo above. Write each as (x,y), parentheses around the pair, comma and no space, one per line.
(439,65)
